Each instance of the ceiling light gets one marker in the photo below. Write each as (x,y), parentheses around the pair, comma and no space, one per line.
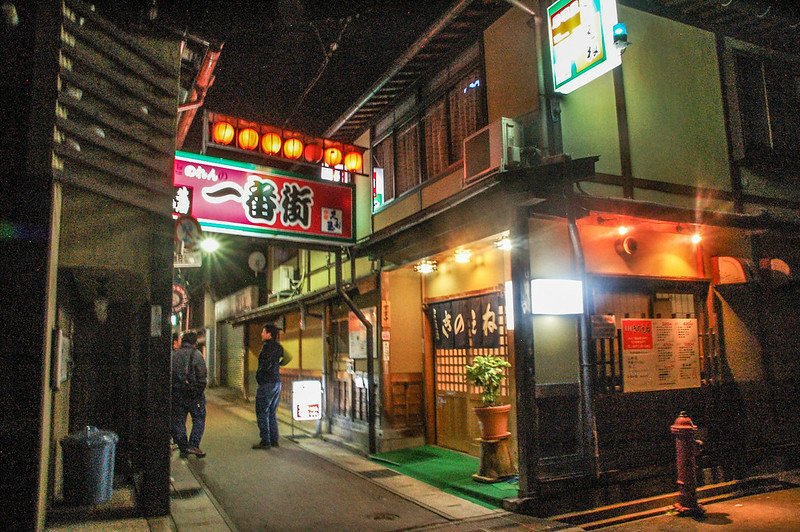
(426,266)
(463,255)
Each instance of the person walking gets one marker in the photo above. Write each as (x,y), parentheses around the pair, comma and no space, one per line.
(268,377)
(189,379)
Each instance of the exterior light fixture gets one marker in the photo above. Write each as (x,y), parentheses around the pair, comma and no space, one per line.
(209,245)
(426,266)
(353,161)
(293,148)
(271,144)
(556,296)
(222,133)
(333,156)
(508,308)
(503,243)
(696,238)
(623,230)
(248,138)
(463,256)
(313,153)
(101,301)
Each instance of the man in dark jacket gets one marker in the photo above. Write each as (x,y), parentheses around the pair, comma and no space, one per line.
(189,378)
(268,377)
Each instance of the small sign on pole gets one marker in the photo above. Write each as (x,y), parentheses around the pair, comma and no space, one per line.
(306,400)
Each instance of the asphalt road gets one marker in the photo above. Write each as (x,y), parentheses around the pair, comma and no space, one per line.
(288,488)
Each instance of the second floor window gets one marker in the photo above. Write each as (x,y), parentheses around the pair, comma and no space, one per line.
(432,141)
(769,97)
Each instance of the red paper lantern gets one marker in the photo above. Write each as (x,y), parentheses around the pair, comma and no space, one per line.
(271,143)
(248,138)
(333,156)
(313,153)
(293,148)
(222,133)
(352,161)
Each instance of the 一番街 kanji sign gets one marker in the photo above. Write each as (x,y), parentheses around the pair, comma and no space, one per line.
(245,199)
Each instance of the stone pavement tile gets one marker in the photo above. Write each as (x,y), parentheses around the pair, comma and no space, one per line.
(133,525)
(162,524)
(244,413)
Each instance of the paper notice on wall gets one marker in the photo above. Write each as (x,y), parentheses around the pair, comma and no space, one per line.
(660,354)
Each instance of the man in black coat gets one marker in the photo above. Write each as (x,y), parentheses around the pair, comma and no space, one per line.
(189,379)
(268,377)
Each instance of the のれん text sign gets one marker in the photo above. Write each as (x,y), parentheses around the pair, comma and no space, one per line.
(245,199)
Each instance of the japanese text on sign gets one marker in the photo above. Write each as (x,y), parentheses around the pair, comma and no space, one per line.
(660,354)
(245,199)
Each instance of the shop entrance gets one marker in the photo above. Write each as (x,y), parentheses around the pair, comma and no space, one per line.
(462,329)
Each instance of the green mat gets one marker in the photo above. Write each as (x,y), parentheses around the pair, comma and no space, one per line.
(450,471)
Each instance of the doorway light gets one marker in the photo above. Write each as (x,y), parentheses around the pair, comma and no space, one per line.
(463,256)
(426,266)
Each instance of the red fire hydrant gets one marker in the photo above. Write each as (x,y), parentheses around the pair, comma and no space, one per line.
(686,449)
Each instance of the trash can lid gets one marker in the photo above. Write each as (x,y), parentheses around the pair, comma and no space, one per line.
(90,437)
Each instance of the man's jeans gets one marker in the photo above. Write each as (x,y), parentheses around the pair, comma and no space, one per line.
(267,397)
(195,408)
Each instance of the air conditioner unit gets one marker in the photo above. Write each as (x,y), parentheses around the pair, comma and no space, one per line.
(495,148)
(282,279)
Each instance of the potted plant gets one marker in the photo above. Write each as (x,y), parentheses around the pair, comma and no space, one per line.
(486,372)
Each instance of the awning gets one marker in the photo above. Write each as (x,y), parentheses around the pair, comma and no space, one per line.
(474,213)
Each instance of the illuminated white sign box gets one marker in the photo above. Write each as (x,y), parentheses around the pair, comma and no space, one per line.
(580,33)
(556,296)
(306,400)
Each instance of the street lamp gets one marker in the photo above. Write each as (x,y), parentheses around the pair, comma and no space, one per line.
(209,245)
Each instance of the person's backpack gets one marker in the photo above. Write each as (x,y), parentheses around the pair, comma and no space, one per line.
(187,380)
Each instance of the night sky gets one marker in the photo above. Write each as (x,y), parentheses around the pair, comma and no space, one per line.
(274,49)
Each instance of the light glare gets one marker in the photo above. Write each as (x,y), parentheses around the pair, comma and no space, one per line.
(209,245)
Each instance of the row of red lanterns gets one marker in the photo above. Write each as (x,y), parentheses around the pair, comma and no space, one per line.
(271,143)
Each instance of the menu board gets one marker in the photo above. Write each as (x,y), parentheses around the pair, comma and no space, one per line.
(660,354)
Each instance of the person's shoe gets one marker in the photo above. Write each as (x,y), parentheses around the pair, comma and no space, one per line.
(196,451)
(262,445)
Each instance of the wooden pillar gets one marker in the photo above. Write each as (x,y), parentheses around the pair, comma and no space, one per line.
(524,370)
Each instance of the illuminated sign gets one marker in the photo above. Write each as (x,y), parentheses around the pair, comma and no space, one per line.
(245,199)
(581,41)
(306,400)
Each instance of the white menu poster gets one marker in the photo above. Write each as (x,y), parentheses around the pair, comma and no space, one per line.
(660,354)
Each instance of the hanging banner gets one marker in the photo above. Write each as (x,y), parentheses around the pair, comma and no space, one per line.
(442,321)
(461,317)
(660,354)
(487,321)
(468,322)
(244,199)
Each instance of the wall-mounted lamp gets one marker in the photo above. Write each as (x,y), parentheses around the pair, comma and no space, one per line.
(508,290)
(463,256)
(503,243)
(696,238)
(556,296)
(426,266)
(209,245)
(623,230)
(620,35)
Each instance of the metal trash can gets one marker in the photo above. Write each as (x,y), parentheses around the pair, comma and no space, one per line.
(89,465)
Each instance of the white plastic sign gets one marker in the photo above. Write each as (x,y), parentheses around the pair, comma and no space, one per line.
(306,400)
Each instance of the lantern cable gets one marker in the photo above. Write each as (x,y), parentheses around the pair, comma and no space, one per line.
(325,60)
